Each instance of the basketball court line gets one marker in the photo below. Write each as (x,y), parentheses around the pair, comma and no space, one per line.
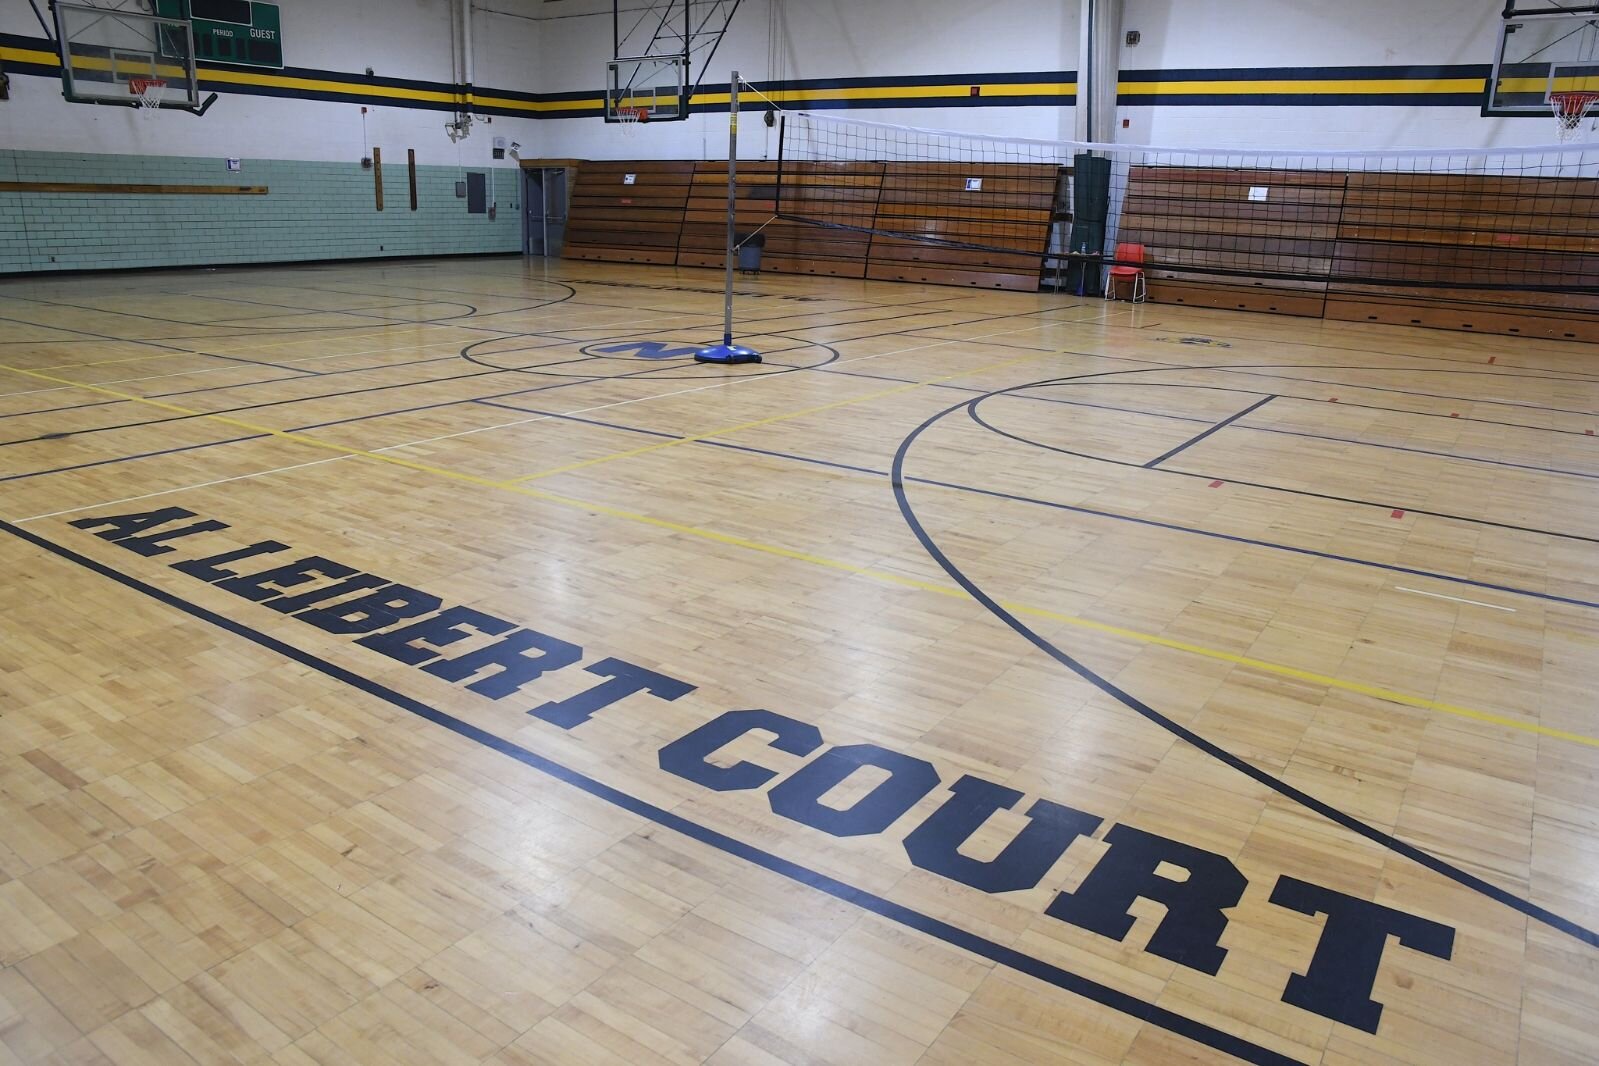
(1198,741)
(1157,524)
(302,376)
(972,412)
(1457,599)
(189,413)
(1360,688)
(1267,666)
(1002,610)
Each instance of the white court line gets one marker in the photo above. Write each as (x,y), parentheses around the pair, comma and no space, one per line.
(507,425)
(183,488)
(1457,599)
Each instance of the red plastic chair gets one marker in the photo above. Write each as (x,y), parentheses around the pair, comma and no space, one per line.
(1125,254)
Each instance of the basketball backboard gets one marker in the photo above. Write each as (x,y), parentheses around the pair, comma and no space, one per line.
(111,55)
(656,85)
(1542,49)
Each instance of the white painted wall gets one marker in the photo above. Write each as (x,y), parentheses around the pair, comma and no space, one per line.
(397,38)
(781,40)
(531,45)
(790,39)
(1181,34)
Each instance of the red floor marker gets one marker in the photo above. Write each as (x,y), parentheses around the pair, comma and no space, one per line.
(1589,432)
(1397,514)
(1491,358)
(1332,399)
(1214,485)
(1454,414)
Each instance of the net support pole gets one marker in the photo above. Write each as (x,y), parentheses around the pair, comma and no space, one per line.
(727,351)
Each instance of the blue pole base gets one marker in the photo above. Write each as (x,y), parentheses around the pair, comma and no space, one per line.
(727,353)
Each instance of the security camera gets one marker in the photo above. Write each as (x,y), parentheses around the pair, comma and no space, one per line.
(515,146)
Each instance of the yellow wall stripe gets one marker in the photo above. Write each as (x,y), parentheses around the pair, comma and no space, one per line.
(1064,91)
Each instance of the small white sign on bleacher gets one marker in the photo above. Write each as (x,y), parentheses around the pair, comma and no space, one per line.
(974,184)
(629,179)
(1257,193)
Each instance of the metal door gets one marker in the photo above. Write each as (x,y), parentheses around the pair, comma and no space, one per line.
(544,228)
(554,210)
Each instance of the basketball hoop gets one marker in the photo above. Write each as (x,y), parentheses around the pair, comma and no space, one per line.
(146,94)
(632,118)
(1570,108)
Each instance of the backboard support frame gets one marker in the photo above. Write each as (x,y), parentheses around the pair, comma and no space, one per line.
(659,43)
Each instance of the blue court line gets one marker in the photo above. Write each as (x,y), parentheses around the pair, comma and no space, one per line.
(980,946)
(1223,424)
(1208,747)
(1075,508)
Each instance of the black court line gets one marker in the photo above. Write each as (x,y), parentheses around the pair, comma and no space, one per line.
(1223,424)
(1089,511)
(562,384)
(1208,747)
(147,344)
(1389,505)
(114,460)
(1421,451)
(982,947)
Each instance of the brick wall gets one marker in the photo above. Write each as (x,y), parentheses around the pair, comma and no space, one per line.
(314,210)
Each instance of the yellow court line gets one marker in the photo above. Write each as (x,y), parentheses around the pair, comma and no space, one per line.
(644,449)
(883,576)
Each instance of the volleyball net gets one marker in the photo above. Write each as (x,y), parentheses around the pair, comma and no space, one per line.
(1508,218)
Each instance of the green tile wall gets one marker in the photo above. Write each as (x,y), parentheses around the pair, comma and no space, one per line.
(313,211)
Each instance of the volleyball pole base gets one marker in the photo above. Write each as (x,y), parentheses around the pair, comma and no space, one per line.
(727,352)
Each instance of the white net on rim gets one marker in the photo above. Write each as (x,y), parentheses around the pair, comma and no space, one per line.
(631,118)
(146,94)
(1570,109)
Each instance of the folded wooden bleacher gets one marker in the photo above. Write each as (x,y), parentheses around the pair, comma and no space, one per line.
(1480,235)
(837,201)
(1228,227)
(614,220)
(961,226)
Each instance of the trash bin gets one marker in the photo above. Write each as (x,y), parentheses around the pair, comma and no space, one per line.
(749,251)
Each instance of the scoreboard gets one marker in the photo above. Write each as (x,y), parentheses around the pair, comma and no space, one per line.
(245,33)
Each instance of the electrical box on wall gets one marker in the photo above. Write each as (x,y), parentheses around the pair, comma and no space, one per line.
(499,148)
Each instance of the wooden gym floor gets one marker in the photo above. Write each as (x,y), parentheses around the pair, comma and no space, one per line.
(983,678)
